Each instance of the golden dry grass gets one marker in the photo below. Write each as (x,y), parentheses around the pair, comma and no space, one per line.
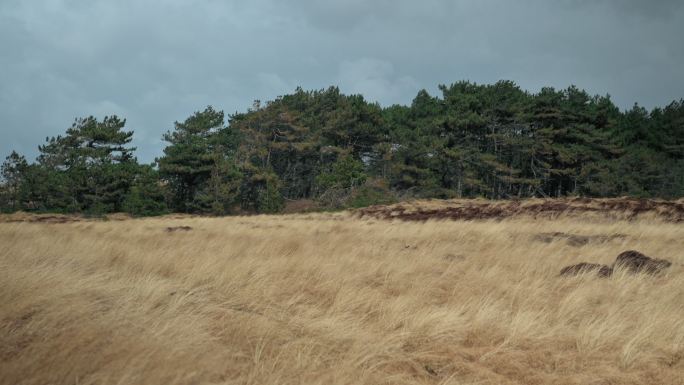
(335,299)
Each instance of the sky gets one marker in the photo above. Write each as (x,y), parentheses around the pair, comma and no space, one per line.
(156,62)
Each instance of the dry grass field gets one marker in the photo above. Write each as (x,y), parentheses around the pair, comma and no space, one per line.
(339,298)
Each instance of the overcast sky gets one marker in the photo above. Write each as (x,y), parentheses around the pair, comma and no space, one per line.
(155,62)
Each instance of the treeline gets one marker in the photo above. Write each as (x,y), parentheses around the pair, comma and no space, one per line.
(495,141)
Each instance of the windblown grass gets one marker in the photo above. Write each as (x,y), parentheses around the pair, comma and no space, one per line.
(335,299)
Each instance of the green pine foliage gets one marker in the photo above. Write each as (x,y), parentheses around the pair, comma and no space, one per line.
(495,141)
(147,195)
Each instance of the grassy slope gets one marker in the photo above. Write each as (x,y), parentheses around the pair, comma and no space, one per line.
(327,298)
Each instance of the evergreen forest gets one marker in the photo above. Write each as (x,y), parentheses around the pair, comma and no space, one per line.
(493,141)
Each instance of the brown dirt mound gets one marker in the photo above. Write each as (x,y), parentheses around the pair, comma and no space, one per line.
(631,260)
(39,218)
(178,228)
(636,262)
(618,208)
(577,240)
(586,268)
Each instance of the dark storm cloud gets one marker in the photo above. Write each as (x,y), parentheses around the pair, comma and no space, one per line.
(156,62)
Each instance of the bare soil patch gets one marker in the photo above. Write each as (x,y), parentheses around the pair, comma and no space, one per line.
(575,239)
(39,218)
(586,268)
(172,229)
(636,262)
(631,261)
(618,208)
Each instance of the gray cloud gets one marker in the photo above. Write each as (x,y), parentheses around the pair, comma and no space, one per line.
(640,8)
(156,62)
